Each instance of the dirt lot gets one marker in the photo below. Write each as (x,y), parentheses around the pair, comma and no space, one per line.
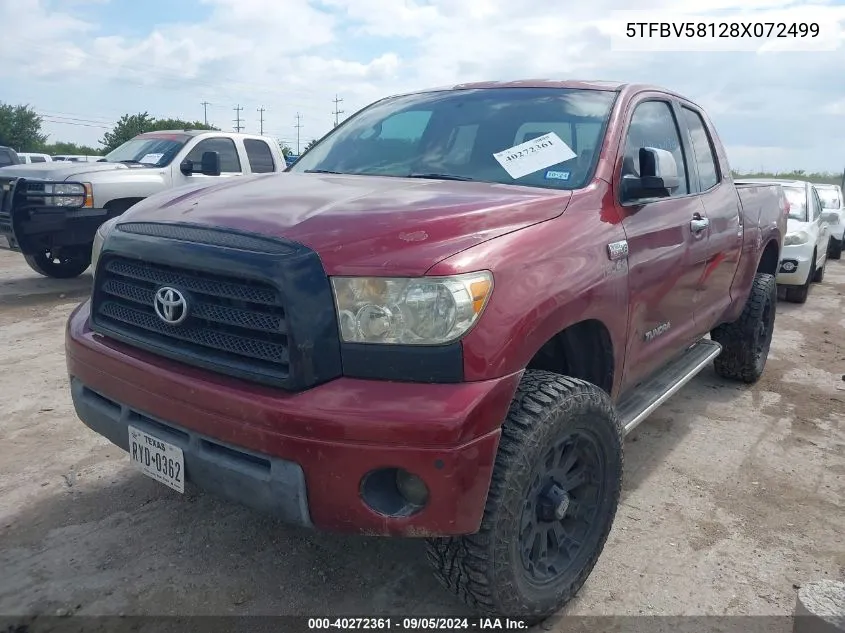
(733,497)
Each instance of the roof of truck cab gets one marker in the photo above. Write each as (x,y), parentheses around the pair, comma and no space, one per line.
(573,84)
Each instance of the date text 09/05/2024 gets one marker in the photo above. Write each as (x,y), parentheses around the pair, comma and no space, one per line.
(417,624)
(723,29)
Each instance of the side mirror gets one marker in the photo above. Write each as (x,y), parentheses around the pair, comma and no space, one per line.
(187,167)
(658,175)
(210,164)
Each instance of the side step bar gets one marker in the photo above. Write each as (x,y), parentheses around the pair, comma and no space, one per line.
(641,401)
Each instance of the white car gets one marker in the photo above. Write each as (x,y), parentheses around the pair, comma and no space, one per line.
(834,213)
(804,253)
(31,157)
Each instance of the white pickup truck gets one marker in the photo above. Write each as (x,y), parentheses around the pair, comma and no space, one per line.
(50,212)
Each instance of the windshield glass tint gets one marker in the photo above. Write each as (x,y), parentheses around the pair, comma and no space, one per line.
(149,150)
(830,198)
(457,132)
(797,199)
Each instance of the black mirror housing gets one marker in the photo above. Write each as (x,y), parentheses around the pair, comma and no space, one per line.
(187,167)
(210,163)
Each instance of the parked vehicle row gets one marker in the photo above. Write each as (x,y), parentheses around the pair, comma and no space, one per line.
(50,212)
(442,321)
(814,234)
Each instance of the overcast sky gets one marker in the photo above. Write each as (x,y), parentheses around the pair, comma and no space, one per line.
(83,63)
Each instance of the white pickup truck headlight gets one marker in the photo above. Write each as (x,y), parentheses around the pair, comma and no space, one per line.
(70,194)
(100,239)
(794,239)
(409,311)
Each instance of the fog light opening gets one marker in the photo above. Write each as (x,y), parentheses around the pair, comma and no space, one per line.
(394,492)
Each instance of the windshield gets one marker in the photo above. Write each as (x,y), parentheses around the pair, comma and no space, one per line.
(797,198)
(154,150)
(540,137)
(830,197)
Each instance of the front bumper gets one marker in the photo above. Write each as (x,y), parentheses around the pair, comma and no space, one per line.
(300,456)
(800,257)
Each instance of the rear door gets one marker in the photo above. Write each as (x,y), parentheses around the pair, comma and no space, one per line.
(666,258)
(723,214)
(823,226)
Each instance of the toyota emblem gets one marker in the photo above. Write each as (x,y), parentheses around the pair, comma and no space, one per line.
(170,305)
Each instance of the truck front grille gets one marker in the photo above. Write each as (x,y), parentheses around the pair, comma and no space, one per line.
(233,325)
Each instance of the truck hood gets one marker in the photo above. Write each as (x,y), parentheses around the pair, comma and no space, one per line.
(59,170)
(361,224)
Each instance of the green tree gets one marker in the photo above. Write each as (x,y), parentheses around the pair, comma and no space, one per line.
(286,151)
(131,125)
(311,143)
(20,128)
(62,147)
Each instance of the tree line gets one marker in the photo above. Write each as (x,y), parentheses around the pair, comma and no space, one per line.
(21,129)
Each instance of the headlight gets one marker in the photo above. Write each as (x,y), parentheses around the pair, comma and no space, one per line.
(794,239)
(409,311)
(99,239)
(70,194)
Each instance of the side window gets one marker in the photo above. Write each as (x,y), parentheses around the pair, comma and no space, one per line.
(653,125)
(702,147)
(259,155)
(817,204)
(37,159)
(229,161)
(5,158)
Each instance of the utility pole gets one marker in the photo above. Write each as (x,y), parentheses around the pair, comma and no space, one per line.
(205,105)
(336,111)
(238,126)
(298,126)
(261,120)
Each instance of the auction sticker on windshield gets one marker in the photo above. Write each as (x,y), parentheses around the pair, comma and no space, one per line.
(151,158)
(158,459)
(538,153)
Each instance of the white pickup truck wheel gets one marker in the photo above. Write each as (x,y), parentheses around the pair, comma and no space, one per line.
(551,503)
(63,266)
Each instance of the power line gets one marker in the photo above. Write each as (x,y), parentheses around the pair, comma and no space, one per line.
(238,126)
(298,126)
(336,111)
(261,120)
(205,105)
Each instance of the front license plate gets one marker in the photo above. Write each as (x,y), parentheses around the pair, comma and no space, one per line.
(158,459)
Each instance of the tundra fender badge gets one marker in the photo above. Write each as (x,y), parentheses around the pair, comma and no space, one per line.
(617,250)
(660,329)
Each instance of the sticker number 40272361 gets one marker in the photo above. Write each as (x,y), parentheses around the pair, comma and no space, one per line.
(538,153)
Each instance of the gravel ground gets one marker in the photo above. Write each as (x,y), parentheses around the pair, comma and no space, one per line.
(733,498)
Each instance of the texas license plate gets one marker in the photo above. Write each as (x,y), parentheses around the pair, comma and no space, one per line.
(158,459)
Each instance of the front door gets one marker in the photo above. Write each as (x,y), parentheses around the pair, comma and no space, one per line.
(666,254)
(230,162)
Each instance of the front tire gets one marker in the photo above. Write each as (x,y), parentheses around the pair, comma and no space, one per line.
(836,248)
(560,454)
(746,342)
(799,294)
(60,266)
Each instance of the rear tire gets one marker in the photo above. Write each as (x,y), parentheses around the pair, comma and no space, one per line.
(836,248)
(746,342)
(64,266)
(560,454)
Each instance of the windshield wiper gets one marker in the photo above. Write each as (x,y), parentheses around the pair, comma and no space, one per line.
(132,162)
(322,171)
(440,177)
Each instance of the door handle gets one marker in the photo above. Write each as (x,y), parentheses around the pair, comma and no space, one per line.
(699,224)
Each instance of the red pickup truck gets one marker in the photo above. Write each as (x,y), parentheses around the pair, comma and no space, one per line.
(440,322)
